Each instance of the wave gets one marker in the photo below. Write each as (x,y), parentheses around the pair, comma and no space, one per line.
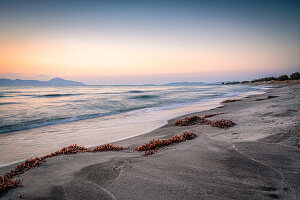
(133,108)
(93,106)
(29,125)
(45,122)
(57,95)
(60,120)
(8,103)
(13,92)
(143,97)
(135,91)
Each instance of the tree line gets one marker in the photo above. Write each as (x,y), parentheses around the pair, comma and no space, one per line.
(293,76)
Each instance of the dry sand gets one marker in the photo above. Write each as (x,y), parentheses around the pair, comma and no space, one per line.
(256,159)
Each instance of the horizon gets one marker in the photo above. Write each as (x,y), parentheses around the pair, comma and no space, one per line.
(37,77)
(132,43)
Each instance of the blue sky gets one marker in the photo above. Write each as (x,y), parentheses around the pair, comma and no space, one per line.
(105,42)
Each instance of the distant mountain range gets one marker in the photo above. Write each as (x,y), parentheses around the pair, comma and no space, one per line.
(63,82)
(52,82)
(184,84)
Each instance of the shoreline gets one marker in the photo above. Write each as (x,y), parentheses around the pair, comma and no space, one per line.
(228,143)
(180,116)
(78,118)
(273,83)
(82,129)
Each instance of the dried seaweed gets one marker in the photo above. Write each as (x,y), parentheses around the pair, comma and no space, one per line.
(222,123)
(267,98)
(155,144)
(195,119)
(8,181)
(230,100)
(188,121)
(108,147)
(150,152)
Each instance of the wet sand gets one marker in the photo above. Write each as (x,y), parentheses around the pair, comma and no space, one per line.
(256,159)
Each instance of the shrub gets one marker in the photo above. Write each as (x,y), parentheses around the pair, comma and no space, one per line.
(295,76)
(264,79)
(283,78)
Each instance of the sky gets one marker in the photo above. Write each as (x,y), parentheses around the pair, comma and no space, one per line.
(140,42)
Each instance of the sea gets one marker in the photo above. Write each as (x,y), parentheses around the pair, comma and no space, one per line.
(37,120)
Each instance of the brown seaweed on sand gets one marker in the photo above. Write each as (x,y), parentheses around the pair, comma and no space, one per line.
(230,100)
(9,182)
(269,97)
(222,123)
(155,144)
(188,121)
(108,147)
(195,119)
(150,152)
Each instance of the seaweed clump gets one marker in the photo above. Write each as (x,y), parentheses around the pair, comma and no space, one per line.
(72,149)
(195,119)
(108,147)
(155,144)
(9,182)
(222,123)
(230,100)
(188,121)
(268,98)
(150,152)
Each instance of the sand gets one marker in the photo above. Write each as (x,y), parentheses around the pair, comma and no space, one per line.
(256,159)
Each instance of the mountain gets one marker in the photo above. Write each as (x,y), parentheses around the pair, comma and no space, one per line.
(185,84)
(60,81)
(52,82)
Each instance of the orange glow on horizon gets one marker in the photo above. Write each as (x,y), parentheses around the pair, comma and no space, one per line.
(118,57)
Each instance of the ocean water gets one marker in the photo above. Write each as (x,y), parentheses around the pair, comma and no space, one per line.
(38,120)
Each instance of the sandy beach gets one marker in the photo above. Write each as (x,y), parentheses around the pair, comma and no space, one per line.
(256,159)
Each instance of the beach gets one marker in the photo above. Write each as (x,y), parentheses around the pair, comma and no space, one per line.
(41,120)
(258,158)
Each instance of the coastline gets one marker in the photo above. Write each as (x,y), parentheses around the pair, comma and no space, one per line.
(273,83)
(93,132)
(202,166)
